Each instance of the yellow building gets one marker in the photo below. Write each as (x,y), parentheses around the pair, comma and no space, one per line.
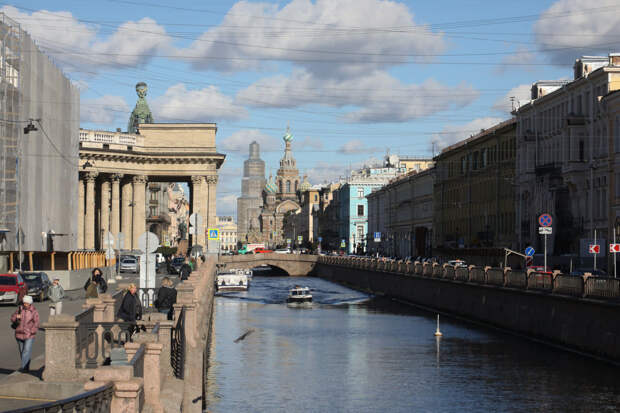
(228,233)
(474,196)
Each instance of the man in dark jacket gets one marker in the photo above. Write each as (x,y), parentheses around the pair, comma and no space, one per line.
(166,297)
(131,308)
(185,270)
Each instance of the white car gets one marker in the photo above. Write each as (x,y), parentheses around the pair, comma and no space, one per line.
(283,251)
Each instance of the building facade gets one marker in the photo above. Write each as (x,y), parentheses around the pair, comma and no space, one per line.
(228,233)
(474,201)
(401,214)
(326,217)
(563,153)
(250,203)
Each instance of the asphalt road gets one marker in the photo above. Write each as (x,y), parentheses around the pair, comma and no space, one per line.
(9,359)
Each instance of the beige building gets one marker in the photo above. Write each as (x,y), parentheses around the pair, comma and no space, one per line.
(563,142)
(228,233)
(474,202)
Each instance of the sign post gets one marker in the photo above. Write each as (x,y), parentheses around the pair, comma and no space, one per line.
(545,221)
(595,254)
(614,252)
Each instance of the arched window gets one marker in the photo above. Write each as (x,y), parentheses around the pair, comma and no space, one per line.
(288,186)
(296,186)
(280,182)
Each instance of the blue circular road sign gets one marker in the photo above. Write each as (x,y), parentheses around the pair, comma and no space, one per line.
(545,220)
(529,251)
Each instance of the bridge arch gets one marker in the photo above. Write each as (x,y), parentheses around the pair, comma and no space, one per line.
(293,264)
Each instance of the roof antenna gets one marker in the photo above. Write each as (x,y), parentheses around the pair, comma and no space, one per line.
(512,100)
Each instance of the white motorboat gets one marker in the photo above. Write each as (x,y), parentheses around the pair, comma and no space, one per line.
(299,295)
(232,280)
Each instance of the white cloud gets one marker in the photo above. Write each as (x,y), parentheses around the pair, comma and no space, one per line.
(451,134)
(518,61)
(329,38)
(77,46)
(227,204)
(356,146)
(378,96)
(203,105)
(521,95)
(307,143)
(104,110)
(572,28)
(239,142)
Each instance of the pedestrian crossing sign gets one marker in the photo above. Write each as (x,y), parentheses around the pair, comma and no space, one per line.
(214,234)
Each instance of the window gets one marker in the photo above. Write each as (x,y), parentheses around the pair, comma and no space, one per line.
(296,185)
(360,232)
(288,186)
(280,186)
(360,192)
(152,211)
(316,197)
(463,165)
(360,210)
(475,162)
(617,134)
(581,151)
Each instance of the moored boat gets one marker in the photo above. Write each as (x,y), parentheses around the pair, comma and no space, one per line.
(299,295)
(232,280)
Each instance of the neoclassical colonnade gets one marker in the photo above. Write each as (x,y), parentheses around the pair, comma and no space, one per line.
(117,202)
(115,169)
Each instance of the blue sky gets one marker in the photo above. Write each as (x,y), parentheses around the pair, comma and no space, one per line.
(352,78)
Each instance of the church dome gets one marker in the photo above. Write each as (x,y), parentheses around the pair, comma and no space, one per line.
(287,136)
(271,187)
(305,185)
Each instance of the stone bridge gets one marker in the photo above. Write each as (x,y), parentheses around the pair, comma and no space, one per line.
(296,265)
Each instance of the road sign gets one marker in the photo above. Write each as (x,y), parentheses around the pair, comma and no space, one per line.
(377,236)
(195,220)
(214,234)
(614,248)
(148,242)
(545,220)
(594,249)
(320,239)
(343,244)
(545,230)
(300,238)
(529,251)
(288,240)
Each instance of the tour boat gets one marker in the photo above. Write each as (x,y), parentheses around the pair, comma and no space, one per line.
(232,280)
(299,295)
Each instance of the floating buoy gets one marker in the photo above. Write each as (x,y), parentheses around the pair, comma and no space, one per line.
(437,332)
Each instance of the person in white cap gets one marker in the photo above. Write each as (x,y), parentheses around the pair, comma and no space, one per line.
(56,294)
(25,321)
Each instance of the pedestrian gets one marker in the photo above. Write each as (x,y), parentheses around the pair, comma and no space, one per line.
(25,320)
(56,294)
(131,308)
(166,298)
(185,270)
(97,277)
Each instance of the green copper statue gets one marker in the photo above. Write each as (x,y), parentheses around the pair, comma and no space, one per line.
(141,113)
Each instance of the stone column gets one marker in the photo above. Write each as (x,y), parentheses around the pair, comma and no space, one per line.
(80,214)
(211,204)
(128,390)
(105,211)
(60,348)
(89,231)
(198,207)
(126,202)
(139,206)
(152,379)
(115,216)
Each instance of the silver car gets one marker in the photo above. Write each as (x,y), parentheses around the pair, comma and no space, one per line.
(129,265)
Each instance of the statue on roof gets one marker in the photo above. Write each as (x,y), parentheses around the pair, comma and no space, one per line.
(141,113)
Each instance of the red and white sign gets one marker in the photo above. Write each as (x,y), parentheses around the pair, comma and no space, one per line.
(614,247)
(594,249)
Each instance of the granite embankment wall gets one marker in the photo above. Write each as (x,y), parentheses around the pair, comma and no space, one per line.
(581,324)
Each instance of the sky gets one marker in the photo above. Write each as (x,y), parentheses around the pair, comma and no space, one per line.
(353,79)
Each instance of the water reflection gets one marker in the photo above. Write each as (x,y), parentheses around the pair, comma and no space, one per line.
(351,352)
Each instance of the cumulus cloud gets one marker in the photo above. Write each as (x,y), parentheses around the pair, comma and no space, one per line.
(104,110)
(451,134)
(378,96)
(355,147)
(197,105)
(75,45)
(571,28)
(307,143)
(517,60)
(328,38)
(240,140)
(521,95)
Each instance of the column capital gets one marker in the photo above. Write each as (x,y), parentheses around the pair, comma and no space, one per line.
(139,179)
(211,179)
(116,177)
(197,179)
(91,176)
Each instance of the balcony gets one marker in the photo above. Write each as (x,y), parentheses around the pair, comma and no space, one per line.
(551,168)
(110,138)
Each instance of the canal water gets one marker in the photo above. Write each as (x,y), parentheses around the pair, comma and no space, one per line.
(352,352)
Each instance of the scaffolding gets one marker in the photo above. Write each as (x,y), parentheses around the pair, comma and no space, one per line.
(11,37)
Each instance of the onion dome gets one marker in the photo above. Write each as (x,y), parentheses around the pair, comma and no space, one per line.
(287,136)
(270,187)
(305,185)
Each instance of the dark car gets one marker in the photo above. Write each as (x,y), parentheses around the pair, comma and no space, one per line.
(595,272)
(12,288)
(176,264)
(38,284)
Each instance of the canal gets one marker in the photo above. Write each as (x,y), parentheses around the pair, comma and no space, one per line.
(352,352)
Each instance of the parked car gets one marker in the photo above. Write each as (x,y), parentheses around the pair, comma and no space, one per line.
(12,288)
(595,272)
(540,269)
(129,265)
(457,263)
(261,250)
(38,284)
(283,251)
(176,264)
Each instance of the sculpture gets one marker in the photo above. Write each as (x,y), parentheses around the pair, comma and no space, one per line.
(141,113)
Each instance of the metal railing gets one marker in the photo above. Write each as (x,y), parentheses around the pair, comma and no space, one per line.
(147,298)
(569,285)
(177,348)
(602,287)
(93,401)
(540,281)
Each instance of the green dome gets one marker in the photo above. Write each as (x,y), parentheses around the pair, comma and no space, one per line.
(271,187)
(305,185)
(287,136)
